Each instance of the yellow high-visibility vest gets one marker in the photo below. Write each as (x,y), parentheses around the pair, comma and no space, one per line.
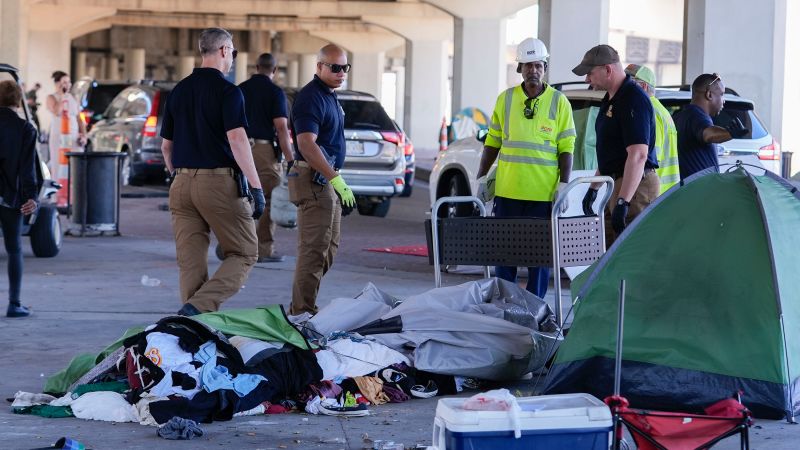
(666,147)
(528,162)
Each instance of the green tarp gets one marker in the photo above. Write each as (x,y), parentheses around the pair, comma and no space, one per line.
(712,299)
(267,323)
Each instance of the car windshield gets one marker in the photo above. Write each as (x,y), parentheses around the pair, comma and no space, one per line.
(359,114)
(101,96)
(741,110)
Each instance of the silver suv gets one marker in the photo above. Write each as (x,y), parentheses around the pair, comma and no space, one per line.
(375,165)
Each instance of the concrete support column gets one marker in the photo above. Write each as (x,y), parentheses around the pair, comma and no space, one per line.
(479,62)
(308,67)
(14,33)
(709,46)
(241,67)
(259,42)
(790,132)
(91,72)
(102,68)
(80,65)
(185,66)
(426,87)
(367,73)
(293,73)
(48,51)
(400,93)
(113,68)
(134,63)
(569,28)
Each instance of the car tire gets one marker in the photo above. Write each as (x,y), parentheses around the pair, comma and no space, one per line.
(380,209)
(454,185)
(46,232)
(408,188)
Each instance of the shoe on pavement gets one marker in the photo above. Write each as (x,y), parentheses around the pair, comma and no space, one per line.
(17,310)
(273,258)
(427,391)
(349,411)
(189,310)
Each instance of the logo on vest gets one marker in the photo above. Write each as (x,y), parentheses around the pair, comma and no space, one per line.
(545,129)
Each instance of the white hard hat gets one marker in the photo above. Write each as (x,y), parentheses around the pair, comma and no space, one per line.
(531,50)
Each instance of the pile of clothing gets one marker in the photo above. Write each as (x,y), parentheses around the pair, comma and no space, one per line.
(182,371)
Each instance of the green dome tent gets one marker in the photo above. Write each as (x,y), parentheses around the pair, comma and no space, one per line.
(712,304)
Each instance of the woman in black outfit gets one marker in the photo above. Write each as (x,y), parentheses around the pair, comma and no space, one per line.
(17,186)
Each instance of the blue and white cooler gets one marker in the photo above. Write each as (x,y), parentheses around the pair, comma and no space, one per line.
(566,421)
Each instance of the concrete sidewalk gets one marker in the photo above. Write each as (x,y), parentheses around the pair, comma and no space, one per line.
(86,297)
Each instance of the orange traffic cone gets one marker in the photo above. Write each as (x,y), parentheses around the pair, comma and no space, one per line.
(443,135)
(61,167)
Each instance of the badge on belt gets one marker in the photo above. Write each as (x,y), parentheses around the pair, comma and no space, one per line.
(609,112)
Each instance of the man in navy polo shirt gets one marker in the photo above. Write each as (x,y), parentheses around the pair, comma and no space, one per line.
(625,129)
(205,145)
(315,185)
(265,105)
(697,133)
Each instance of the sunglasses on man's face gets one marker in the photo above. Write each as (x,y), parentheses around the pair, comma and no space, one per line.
(529,111)
(336,68)
(233,53)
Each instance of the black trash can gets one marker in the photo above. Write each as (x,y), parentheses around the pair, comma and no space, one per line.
(94,192)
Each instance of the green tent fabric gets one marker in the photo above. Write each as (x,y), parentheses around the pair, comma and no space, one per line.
(585,156)
(268,323)
(712,301)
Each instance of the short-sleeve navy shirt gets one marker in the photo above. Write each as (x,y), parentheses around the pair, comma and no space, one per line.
(694,154)
(627,119)
(263,102)
(200,110)
(317,110)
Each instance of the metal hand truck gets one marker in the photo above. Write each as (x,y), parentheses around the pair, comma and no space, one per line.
(520,241)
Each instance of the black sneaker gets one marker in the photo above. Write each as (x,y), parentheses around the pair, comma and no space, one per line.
(188,310)
(17,310)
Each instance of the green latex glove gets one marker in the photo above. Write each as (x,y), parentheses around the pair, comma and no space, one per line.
(343,191)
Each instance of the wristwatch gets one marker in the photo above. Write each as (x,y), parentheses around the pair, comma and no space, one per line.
(621,202)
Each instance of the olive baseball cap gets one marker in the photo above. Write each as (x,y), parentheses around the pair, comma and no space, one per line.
(598,55)
(642,73)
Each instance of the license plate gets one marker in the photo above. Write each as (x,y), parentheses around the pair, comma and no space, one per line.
(355,148)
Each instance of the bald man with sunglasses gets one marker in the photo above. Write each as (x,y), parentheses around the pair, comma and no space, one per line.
(315,185)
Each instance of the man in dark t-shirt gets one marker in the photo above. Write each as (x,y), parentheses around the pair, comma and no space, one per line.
(205,146)
(625,129)
(697,133)
(267,119)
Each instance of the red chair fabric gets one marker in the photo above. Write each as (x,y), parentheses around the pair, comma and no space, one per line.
(656,430)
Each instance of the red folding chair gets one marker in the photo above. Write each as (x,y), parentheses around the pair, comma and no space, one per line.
(657,430)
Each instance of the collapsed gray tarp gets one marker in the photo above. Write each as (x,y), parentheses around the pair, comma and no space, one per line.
(489,329)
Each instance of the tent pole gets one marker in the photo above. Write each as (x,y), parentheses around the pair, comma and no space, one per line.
(618,358)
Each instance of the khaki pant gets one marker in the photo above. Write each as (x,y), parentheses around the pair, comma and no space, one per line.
(319,217)
(269,173)
(646,193)
(201,201)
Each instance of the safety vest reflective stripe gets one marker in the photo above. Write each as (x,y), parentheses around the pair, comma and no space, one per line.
(671,180)
(566,133)
(528,160)
(546,147)
(554,105)
(509,98)
(668,162)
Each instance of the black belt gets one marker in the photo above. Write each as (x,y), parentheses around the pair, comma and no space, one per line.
(616,175)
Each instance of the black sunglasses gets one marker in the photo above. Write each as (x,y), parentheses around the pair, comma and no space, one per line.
(336,68)
(233,53)
(528,111)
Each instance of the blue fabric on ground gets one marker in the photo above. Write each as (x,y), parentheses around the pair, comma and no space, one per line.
(214,377)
